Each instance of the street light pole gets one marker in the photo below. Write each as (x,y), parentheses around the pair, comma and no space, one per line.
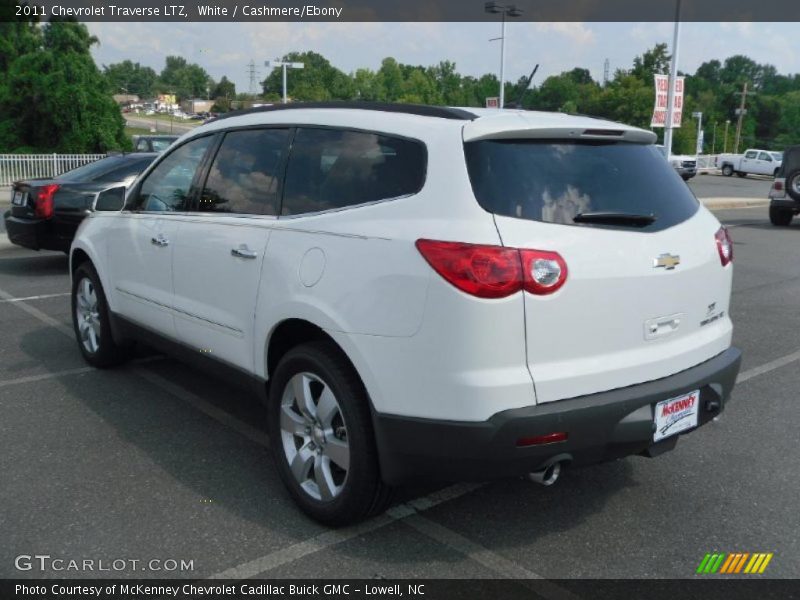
(284,66)
(504,10)
(698,147)
(725,142)
(673,74)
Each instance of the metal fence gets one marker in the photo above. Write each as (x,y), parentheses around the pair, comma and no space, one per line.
(707,163)
(25,166)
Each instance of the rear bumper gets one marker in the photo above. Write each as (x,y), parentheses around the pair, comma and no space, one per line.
(36,234)
(785,202)
(601,427)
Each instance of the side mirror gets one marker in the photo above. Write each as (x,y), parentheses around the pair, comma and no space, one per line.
(110,200)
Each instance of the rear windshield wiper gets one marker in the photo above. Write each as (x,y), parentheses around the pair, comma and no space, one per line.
(615,218)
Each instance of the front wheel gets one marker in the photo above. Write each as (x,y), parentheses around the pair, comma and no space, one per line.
(321,436)
(780,217)
(91,322)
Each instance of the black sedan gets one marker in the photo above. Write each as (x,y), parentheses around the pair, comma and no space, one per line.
(45,213)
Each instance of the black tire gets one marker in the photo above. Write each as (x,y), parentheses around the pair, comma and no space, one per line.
(741,174)
(780,217)
(362,492)
(793,185)
(727,170)
(108,353)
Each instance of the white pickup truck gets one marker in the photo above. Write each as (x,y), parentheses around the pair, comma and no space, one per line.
(752,162)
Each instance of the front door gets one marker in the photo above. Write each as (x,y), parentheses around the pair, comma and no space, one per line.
(141,245)
(222,243)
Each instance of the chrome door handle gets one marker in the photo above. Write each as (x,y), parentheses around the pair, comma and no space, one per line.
(243,252)
(159,240)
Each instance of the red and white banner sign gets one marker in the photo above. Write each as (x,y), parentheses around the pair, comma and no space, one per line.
(662,98)
(493,102)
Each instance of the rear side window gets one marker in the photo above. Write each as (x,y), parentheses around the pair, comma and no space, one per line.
(553,181)
(331,169)
(243,178)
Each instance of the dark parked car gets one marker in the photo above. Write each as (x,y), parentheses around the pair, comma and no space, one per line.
(784,196)
(45,213)
(153,143)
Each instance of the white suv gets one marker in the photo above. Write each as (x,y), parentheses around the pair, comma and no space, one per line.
(422,292)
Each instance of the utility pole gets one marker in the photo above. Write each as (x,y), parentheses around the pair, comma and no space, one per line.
(742,111)
(606,69)
(673,73)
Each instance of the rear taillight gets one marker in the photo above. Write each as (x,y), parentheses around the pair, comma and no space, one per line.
(483,271)
(724,245)
(43,207)
(777,186)
(494,271)
(544,271)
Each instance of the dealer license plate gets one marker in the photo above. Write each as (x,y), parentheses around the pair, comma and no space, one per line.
(676,415)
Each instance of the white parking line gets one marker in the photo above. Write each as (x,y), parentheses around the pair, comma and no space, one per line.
(331,538)
(216,413)
(44,376)
(40,297)
(68,372)
(35,312)
(767,367)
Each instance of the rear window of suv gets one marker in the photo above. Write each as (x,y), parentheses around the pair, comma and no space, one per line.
(553,181)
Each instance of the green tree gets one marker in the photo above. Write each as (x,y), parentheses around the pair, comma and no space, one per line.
(184,79)
(56,99)
(318,80)
(131,78)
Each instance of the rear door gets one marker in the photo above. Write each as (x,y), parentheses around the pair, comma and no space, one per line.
(141,242)
(646,293)
(222,244)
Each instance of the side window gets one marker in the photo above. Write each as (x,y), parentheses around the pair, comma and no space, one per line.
(764,156)
(750,154)
(168,186)
(243,178)
(334,168)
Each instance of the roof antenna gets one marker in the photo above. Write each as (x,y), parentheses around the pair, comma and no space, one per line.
(518,103)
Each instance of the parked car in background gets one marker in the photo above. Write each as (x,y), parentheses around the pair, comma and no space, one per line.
(684,165)
(422,292)
(45,213)
(752,162)
(153,143)
(784,195)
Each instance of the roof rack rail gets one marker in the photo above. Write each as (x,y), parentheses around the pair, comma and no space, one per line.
(424,110)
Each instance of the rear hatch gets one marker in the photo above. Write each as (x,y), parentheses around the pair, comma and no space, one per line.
(646,293)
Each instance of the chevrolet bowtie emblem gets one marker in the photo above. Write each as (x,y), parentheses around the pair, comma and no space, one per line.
(667,261)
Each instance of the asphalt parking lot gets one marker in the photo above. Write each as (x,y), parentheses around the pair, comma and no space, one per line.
(158,461)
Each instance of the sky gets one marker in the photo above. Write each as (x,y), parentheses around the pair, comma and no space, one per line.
(227,48)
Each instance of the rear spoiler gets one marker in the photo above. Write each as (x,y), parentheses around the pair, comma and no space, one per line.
(552,126)
(634,136)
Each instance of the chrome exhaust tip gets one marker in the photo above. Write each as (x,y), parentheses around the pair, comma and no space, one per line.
(547,476)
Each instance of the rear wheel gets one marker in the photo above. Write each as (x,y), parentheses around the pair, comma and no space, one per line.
(90,320)
(727,170)
(321,435)
(780,216)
